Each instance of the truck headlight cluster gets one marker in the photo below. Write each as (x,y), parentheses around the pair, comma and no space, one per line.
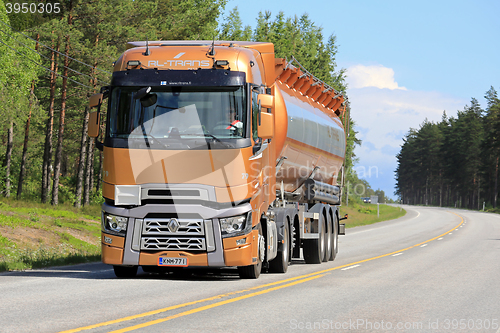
(114,224)
(236,225)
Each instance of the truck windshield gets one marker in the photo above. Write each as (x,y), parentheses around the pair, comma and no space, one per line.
(179,113)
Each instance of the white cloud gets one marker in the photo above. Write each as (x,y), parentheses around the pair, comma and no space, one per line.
(383,116)
(378,76)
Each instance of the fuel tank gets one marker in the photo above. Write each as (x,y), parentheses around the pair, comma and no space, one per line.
(311,137)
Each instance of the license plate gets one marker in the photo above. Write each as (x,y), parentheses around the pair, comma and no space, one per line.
(172,261)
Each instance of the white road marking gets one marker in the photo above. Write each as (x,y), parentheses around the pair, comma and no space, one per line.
(450,233)
(424,245)
(397,254)
(67,271)
(358,232)
(440,238)
(344,269)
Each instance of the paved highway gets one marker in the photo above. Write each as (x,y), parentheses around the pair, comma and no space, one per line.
(433,270)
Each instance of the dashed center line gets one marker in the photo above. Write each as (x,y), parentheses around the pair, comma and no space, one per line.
(354,266)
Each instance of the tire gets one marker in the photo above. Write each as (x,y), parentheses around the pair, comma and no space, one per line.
(314,249)
(335,238)
(280,263)
(253,271)
(328,239)
(124,272)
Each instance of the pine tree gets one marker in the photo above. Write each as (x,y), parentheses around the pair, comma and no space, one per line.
(16,75)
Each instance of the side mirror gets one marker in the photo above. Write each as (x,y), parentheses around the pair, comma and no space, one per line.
(266,101)
(265,129)
(95,100)
(94,117)
(94,124)
(147,99)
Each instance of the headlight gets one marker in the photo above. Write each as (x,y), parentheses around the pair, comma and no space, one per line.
(114,224)
(235,225)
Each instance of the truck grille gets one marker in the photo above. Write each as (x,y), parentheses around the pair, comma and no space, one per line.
(173,243)
(169,227)
(173,234)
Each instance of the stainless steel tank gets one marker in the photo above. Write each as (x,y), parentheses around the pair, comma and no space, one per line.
(315,142)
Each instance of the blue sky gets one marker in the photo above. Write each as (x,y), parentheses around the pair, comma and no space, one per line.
(406,61)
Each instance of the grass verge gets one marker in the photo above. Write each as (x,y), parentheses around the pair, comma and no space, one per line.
(365,213)
(34,235)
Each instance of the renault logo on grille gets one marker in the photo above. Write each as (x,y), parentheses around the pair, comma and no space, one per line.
(173,225)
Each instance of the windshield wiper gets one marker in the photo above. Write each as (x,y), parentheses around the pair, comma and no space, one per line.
(208,135)
(151,142)
(146,135)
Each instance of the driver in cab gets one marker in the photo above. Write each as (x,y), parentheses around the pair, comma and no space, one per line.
(232,123)
(235,124)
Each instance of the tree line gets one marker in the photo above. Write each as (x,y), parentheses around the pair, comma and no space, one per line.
(453,162)
(51,63)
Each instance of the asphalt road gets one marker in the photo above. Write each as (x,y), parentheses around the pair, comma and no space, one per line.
(434,270)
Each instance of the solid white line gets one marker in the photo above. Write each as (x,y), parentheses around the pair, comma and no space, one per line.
(397,254)
(59,271)
(424,245)
(344,269)
(386,226)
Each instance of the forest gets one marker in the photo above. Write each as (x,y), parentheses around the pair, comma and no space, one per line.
(453,162)
(50,63)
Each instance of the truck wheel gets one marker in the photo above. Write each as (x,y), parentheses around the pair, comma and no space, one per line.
(253,271)
(124,272)
(280,263)
(335,238)
(314,249)
(328,239)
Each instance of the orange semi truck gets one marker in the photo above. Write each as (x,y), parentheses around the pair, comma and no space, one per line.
(216,154)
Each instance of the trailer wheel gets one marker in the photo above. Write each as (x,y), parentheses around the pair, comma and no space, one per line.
(328,238)
(253,271)
(124,272)
(335,238)
(280,263)
(314,249)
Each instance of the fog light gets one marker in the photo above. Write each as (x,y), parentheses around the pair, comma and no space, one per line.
(241,241)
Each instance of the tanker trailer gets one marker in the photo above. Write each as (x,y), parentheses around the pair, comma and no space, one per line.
(216,154)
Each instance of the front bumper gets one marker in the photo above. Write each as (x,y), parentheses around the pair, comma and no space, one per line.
(198,239)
